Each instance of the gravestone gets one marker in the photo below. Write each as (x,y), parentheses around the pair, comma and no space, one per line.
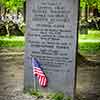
(51,37)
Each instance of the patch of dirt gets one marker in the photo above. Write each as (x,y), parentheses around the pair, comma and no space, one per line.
(12,76)
(88,77)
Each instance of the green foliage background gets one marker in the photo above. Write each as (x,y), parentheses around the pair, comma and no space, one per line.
(12,4)
(90,3)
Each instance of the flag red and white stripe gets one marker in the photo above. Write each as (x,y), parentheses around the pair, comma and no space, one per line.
(38,72)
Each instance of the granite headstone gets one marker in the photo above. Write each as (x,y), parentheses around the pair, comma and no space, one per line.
(51,37)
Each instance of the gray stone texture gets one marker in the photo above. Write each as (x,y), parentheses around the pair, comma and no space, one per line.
(51,37)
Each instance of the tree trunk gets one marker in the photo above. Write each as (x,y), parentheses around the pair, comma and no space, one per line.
(4,15)
(86,18)
(25,11)
(86,12)
(0,13)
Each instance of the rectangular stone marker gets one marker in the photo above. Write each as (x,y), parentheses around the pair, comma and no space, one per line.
(51,37)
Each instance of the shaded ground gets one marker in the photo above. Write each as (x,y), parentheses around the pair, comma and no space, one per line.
(88,77)
(12,76)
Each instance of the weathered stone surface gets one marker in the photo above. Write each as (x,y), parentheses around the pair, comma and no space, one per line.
(51,37)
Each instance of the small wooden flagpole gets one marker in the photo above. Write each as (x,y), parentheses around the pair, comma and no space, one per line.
(34,77)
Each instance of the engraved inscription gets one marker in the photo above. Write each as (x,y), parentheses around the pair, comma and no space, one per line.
(51,33)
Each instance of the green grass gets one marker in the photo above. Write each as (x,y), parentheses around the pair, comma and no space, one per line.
(89,47)
(12,41)
(59,96)
(89,43)
(92,35)
(12,38)
(48,96)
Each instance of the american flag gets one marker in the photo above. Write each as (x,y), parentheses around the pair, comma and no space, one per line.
(38,72)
